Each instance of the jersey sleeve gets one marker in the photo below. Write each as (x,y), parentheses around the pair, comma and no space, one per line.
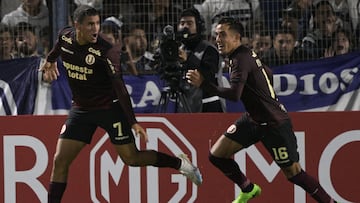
(54,53)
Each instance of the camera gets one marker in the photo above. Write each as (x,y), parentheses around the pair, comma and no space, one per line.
(167,59)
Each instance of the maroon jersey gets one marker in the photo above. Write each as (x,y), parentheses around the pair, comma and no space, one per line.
(93,71)
(251,82)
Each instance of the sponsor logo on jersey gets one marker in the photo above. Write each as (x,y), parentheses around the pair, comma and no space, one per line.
(90,59)
(94,51)
(66,39)
(77,72)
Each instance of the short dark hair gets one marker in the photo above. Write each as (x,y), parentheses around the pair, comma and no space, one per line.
(200,24)
(83,11)
(323,3)
(234,24)
(285,30)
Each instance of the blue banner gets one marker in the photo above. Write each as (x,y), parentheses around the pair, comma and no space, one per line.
(318,85)
(18,85)
(329,84)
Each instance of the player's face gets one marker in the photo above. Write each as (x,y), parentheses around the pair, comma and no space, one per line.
(226,40)
(88,30)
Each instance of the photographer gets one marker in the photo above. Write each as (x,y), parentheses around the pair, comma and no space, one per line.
(197,53)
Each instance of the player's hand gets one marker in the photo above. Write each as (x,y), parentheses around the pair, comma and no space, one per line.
(194,77)
(139,131)
(50,71)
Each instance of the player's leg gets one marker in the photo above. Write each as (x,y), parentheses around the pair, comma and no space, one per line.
(121,135)
(131,156)
(282,145)
(75,134)
(296,175)
(66,152)
(238,136)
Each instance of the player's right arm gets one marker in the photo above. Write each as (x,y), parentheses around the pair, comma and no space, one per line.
(49,68)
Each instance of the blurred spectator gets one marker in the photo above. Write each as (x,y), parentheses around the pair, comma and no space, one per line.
(97,4)
(297,17)
(6,43)
(128,10)
(154,16)
(44,41)
(33,12)
(107,8)
(261,40)
(325,24)
(245,40)
(213,10)
(111,29)
(137,44)
(190,3)
(342,43)
(272,15)
(283,50)
(25,40)
(342,11)
(6,6)
(354,12)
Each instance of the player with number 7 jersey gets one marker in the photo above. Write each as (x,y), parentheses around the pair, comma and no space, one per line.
(100,99)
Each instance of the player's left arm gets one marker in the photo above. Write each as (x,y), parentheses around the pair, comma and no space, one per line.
(114,70)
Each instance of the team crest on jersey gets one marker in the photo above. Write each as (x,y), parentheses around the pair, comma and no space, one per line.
(231,129)
(63,128)
(90,59)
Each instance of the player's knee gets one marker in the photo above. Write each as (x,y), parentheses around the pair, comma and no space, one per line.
(291,170)
(214,160)
(60,161)
(129,154)
(130,160)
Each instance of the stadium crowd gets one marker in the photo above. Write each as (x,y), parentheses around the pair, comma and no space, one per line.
(280,32)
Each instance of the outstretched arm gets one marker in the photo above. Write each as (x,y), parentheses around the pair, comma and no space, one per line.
(233,92)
